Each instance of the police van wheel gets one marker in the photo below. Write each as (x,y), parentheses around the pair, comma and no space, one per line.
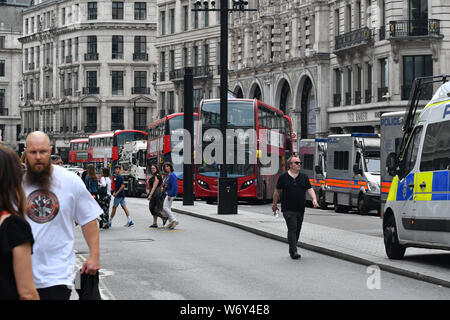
(362,206)
(340,208)
(394,249)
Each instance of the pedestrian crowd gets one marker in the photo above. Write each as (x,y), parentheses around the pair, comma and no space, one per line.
(41,202)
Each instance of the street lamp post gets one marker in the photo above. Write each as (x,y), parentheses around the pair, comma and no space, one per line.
(210,5)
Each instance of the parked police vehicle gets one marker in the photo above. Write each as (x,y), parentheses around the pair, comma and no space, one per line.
(417,210)
(312,153)
(353,172)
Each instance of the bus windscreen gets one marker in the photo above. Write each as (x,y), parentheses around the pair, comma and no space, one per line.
(240,114)
(129,136)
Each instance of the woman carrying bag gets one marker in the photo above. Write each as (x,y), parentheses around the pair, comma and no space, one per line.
(155,197)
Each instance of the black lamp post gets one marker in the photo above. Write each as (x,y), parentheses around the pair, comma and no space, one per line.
(210,5)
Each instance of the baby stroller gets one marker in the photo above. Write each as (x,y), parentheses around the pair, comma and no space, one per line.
(104,200)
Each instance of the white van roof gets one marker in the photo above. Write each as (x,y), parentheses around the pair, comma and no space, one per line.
(442,94)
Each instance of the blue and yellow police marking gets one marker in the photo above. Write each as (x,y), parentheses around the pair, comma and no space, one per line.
(428,186)
(426,180)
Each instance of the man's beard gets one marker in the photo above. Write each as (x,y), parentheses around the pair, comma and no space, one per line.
(39,178)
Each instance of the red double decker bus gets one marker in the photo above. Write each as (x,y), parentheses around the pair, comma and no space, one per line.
(108,144)
(256,178)
(162,135)
(78,153)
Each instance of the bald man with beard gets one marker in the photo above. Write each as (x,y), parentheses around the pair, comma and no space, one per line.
(56,199)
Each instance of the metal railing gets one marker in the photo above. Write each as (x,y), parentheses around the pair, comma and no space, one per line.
(90,56)
(354,38)
(139,90)
(3,112)
(337,99)
(348,98)
(69,59)
(357,97)
(140,56)
(412,28)
(368,95)
(176,74)
(91,90)
(68,92)
(201,71)
(198,71)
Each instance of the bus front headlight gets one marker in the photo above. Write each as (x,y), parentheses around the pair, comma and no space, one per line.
(246,184)
(203,184)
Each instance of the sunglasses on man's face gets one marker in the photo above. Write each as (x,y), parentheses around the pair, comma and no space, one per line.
(297,162)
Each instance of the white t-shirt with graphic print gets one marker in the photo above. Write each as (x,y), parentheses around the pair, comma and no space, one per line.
(51,215)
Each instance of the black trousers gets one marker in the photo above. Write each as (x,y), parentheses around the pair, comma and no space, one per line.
(294,222)
(61,292)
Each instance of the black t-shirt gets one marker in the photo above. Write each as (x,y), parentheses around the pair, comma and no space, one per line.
(14,232)
(293,191)
(152,180)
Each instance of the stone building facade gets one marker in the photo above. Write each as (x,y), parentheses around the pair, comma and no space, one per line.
(10,70)
(336,66)
(186,39)
(87,67)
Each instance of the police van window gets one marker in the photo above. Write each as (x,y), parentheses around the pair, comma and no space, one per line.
(411,153)
(358,159)
(341,160)
(308,162)
(436,147)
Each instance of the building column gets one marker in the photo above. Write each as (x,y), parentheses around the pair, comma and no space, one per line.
(321,29)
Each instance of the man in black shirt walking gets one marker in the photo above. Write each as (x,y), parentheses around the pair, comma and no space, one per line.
(293,185)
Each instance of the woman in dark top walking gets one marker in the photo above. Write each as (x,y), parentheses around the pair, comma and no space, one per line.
(16,238)
(156,202)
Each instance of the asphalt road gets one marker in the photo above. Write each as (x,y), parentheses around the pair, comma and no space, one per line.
(206,260)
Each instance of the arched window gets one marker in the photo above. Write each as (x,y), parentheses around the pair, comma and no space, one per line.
(307,112)
(238,93)
(285,96)
(257,93)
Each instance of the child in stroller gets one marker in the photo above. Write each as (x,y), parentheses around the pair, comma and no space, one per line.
(104,198)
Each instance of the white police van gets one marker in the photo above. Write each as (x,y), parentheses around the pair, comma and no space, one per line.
(353,172)
(417,210)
